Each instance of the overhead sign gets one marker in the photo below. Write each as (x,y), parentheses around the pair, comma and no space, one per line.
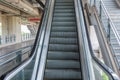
(34,19)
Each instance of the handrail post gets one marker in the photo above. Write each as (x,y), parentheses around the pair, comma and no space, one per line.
(100,15)
(108,30)
(95,2)
(91,2)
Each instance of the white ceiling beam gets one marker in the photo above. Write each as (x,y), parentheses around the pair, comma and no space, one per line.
(9,10)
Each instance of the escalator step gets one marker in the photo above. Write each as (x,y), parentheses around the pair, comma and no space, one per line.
(64,15)
(62,64)
(63,55)
(63,29)
(62,74)
(64,24)
(64,34)
(64,19)
(65,4)
(61,7)
(63,60)
(64,1)
(63,10)
(63,47)
(63,40)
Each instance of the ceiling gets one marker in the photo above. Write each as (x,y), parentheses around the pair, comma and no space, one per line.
(26,8)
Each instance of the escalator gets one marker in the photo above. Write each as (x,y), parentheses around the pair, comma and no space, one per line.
(61,50)
(63,60)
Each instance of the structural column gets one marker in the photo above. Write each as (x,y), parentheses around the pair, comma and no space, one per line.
(15,27)
(4,25)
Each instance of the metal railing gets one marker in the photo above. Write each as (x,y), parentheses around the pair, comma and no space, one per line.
(14,59)
(28,36)
(103,14)
(109,26)
(7,39)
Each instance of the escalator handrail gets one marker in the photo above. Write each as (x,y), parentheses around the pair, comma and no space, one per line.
(22,66)
(100,64)
(87,70)
(41,3)
(92,55)
(39,52)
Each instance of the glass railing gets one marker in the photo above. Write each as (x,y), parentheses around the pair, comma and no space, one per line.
(101,73)
(25,71)
(108,25)
(13,59)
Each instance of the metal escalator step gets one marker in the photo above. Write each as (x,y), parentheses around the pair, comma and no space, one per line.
(60,8)
(64,34)
(64,24)
(63,55)
(64,29)
(115,45)
(117,54)
(64,4)
(66,19)
(117,50)
(113,40)
(63,41)
(63,10)
(62,74)
(64,79)
(67,7)
(63,52)
(63,47)
(62,64)
(64,15)
(64,1)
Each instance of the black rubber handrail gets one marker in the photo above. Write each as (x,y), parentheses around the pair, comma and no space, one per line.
(41,3)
